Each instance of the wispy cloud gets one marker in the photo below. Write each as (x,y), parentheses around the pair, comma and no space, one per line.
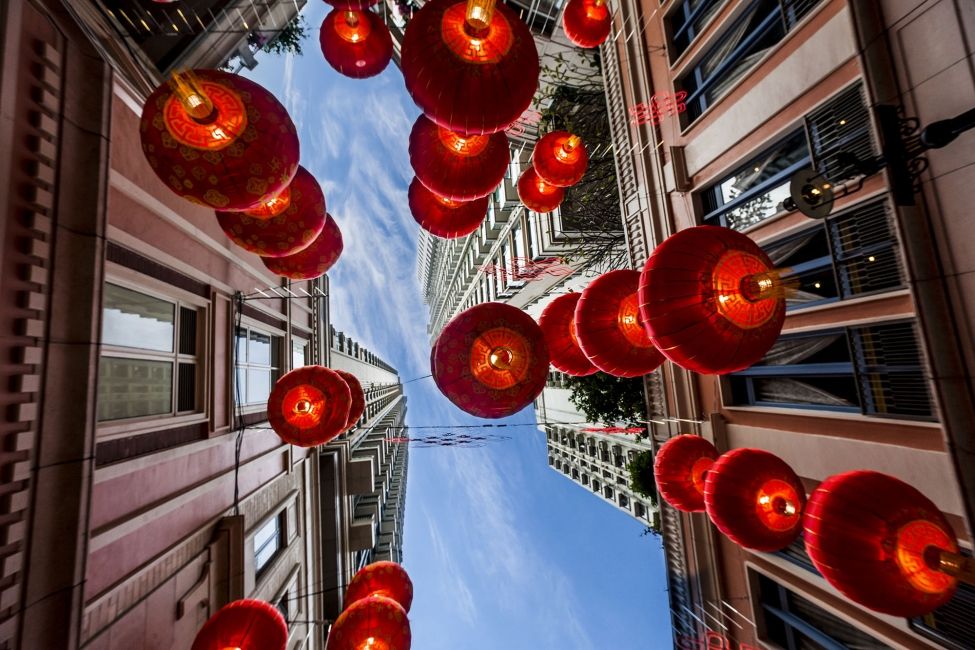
(454,591)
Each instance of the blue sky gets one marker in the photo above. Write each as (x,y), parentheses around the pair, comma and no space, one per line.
(503,551)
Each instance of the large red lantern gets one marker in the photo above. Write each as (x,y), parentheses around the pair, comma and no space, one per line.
(559,327)
(711,300)
(586,22)
(536,194)
(351,4)
(373,623)
(219,140)
(882,543)
(358,404)
(312,261)
(471,67)
(560,158)
(755,499)
(387,579)
(284,225)
(608,326)
(309,406)
(244,625)
(456,166)
(680,467)
(490,360)
(444,217)
(356,42)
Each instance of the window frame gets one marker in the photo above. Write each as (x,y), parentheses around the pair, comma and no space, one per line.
(690,16)
(277,345)
(280,517)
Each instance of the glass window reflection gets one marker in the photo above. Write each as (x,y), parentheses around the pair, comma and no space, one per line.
(135,320)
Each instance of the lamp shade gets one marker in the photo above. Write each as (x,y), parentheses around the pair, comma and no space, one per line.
(536,194)
(235,150)
(444,217)
(309,406)
(560,158)
(608,326)
(558,326)
(755,499)
(679,469)
(868,534)
(465,79)
(287,232)
(312,261)
(711,300)
(586,22)
(244,625)
(372,622)
(455,166)
(387,579)
(358,404)
(491,360)
(356,42)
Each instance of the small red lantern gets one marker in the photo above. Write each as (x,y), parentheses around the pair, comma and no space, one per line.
(490,360)
(285,224)
(219,140)
(387,579)
(309,406)
(312,261)
(373,623)
(470,67)
(882,543)
(356,42)
(711,300)
(444,217)
(456,166)
(586,22)
(560,158)
(559,327)
(244,625)
(609,329)
(755,499)
(680,467)
(536,194)
(358,404)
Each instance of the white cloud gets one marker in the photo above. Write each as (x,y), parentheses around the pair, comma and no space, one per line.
(454,592)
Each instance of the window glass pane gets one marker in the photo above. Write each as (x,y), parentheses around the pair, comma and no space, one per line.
(298,354)
(130,388)
(259,349)
(187,330)
(258,385)
(135,320)
(240,341)
(267,542)
(186,397)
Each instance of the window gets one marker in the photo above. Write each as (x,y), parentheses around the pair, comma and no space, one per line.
(149,364)
(257,365)
(686,22)
(874,370)
(541,16)
(746,41)
(794,623)
(299,353)
(268,542)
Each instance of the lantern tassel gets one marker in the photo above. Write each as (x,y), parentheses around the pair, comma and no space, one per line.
(195,102)
(479,15)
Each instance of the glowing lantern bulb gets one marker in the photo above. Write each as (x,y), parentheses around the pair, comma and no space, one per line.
(501,358)
(479,15)
(186,88)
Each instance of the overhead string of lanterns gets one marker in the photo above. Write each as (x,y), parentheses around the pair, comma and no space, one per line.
(873,537)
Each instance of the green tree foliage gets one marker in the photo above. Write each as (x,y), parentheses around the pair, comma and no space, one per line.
(641,475)
(289,38)
(609,400)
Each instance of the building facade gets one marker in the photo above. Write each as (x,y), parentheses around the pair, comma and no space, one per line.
(873,368)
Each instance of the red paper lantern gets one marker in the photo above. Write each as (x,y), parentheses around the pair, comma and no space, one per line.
(560,158)
(609,329)
(490,360)
(559,327)
(244,625)
(284,225)
(470,67)
(538,195)
(711,300)
(387,579)
(356,42)
(351,4)
(444,217)
(312,261)
(358,404)
(877,540)
(373,623)
(755,499)
(586,22)
(219,140)
(456,166)
(309,406)
(680,467)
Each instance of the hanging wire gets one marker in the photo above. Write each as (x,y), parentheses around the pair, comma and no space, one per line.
(238,415)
